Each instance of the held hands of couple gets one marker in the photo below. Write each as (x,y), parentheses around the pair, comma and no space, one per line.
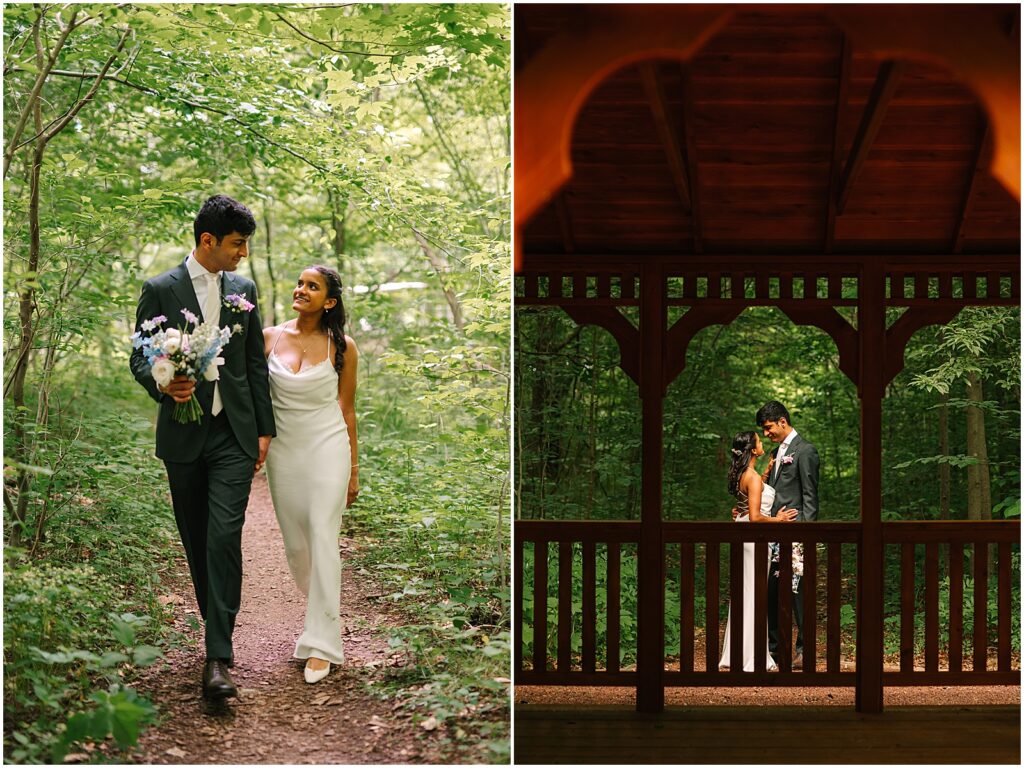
(264,447)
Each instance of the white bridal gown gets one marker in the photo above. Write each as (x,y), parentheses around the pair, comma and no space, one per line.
(767,497)
(308,468)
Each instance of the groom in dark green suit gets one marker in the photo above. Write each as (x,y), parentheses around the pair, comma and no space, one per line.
(210,463)
(793,472)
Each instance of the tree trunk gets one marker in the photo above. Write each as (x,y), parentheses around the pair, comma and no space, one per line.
(944,470)
(270,317)
(440,265)
(979,492)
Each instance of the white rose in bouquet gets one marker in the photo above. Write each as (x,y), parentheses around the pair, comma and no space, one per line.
(163,371)
(212,372)
(172,341)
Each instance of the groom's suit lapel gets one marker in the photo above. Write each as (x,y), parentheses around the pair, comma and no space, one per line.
(791,451)
(183,290)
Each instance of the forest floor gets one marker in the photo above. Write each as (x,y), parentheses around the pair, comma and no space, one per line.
(277,717)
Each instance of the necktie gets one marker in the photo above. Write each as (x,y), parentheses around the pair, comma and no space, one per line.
(211,314)
(778,460)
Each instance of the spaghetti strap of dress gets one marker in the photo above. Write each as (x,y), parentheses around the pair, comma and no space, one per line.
(279,335)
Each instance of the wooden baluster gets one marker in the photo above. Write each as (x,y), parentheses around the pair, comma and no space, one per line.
(686,590)
(737,289)
(931,607)
(711,598)
(579,285)
(736,606)
(589,606)
(980,606)
(896,290)
(690,285)
(992,285)
(786,285)
(810,588)
(628,285)
(835,286)
(604,285)
(760,606)
(614,601)
(785,592)
(714,286)
(555,285)
(1015,287)
(517,571)
(921,285)
(970,285)
(540,607)
(761,286)
(945,285)
(833,598)
(907,568)
(1004,607)
(564,606)
(530,285)
(956,606)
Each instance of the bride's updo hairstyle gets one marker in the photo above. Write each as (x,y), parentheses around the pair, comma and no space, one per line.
(743,445)
(333,320)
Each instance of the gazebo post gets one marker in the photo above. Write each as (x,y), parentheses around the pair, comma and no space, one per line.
(870,561)
(650,695)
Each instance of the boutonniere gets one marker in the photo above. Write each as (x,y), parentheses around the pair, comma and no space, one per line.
(788,459)
(237,304)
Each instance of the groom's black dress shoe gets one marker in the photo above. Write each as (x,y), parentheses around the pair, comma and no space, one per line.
(217,682)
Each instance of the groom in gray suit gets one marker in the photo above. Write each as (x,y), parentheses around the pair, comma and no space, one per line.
(793,473)
(210,463)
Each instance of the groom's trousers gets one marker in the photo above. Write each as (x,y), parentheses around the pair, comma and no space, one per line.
(209,496)
(773,612)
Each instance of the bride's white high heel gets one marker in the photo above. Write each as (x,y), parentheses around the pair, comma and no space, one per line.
(315,675)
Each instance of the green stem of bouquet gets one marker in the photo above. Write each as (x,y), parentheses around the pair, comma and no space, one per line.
(185,413)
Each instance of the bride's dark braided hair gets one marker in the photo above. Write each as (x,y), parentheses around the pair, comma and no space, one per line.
(743,445)
(333,320)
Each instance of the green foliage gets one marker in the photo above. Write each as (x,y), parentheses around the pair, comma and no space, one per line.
(372,138)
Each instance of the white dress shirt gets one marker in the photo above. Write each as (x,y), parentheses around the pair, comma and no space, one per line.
(782,452)
(204,281)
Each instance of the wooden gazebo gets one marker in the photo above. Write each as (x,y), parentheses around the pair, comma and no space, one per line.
(800,157)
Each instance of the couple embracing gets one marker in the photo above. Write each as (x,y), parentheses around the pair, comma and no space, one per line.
(283,396)
(787,490)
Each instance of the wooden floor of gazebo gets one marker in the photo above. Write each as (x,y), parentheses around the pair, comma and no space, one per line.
(759,735)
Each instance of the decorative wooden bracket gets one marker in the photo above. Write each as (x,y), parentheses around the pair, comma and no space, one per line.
(623,331)
(913,320)
(679,336)
(835,325)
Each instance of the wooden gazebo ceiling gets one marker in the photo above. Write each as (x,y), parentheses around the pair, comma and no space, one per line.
(776,137)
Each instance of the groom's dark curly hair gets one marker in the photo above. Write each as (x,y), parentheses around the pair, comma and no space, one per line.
(773,410)
(220,216)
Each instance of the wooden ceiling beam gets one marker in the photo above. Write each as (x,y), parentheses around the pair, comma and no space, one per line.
(874,113)
(842,90)
(690,139)
(981,154)
(659,111)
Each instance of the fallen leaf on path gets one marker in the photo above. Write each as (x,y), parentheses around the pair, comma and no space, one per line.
(430,724)
(175,752)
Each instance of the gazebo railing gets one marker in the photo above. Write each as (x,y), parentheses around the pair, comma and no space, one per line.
(691,548)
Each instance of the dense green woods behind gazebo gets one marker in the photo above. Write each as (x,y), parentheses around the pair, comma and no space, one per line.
(371,138)
(951,418)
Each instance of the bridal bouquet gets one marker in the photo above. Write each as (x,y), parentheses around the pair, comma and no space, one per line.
(171,352)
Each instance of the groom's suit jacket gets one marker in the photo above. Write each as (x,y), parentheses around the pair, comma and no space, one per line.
(796,484)
(244,380)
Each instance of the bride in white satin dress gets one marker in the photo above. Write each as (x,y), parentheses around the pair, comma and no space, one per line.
(312,464)
(754,503)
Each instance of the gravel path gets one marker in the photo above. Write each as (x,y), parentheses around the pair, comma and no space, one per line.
(278,718)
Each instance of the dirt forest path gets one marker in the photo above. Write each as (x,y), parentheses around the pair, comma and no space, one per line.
(277,717)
